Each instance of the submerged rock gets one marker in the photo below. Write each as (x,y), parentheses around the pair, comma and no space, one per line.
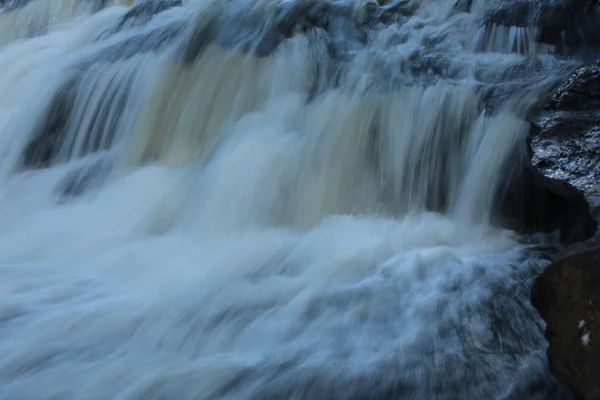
(567,295)
(50,132)
(141,13)
(84,178)
(10,5)
(261,28)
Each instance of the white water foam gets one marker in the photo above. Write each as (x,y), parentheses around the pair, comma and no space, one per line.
(235,226)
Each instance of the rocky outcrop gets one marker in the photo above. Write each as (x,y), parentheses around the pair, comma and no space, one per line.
(566,146)
(559,190)
(567,295)
(536,203)
(566,139)
(566,24)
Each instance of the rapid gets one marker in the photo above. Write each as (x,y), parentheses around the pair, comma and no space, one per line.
(266,199)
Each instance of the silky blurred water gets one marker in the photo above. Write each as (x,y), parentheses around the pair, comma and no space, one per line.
(194,205)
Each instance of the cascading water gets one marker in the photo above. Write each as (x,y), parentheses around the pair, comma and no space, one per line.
(264,199)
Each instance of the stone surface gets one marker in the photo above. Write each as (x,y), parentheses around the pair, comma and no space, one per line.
(581,92)
(567,295)
(566,139)
(536,203)
(567,24)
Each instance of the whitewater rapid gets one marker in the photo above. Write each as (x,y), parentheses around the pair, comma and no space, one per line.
(194,205)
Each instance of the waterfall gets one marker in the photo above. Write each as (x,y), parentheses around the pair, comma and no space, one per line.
(263,199)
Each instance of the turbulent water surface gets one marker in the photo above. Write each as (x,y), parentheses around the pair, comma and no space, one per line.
(265,199)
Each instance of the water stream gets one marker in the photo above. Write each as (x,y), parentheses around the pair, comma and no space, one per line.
(265,199)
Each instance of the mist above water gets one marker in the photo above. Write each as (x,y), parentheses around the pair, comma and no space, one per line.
(265,199)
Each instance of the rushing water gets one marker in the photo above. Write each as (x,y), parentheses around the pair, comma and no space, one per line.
(265,199)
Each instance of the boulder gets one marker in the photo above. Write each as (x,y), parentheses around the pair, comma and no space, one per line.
(567,295)
(566,139)
(534,203)
(565,144)
(581,92)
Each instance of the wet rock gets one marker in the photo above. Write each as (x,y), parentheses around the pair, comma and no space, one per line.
(49,134)
(533,203)
(149,8)
(392,10)
(84,178)
(139,43)
(557,190)
(462,6)
(567,24)
(511,13)
(567,295)
(566,141)
(51,140)
(581,92)
(260,29)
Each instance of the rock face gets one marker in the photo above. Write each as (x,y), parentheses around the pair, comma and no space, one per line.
(567,24)
(553,192)
(566,140)
(567,295)
(537,203)
(566,146)
(581,92)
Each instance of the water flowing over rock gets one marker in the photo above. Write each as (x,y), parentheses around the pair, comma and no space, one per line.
(275,199)
(568,25)
(567,296)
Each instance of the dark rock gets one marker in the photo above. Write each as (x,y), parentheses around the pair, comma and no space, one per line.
(566,146)
(462,6)
(567,24)
(150,8)
(48,144)
(84,178)
(567,295)
(49,134)
(541,199)
(260,30)
(581,92)
(390,11)
(566,141)
(533,203)
(139,43)
(570,23)
(512,13)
